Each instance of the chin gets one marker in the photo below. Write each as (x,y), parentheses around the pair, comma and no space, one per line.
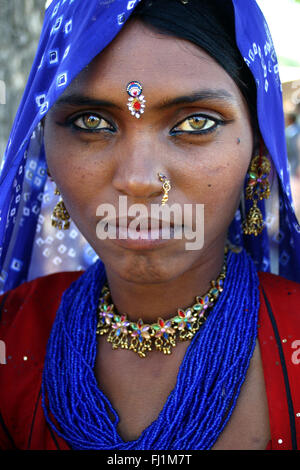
(142,269)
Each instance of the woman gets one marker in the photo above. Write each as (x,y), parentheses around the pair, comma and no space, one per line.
(159,109)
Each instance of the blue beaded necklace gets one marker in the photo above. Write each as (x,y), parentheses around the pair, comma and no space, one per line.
(208,383)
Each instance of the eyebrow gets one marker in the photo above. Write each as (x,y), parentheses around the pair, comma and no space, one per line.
(201,95)
(196,96)
(81,100)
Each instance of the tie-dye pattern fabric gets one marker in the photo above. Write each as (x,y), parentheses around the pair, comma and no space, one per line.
(74,32)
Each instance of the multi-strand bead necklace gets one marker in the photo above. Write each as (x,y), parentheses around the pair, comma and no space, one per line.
(162,335)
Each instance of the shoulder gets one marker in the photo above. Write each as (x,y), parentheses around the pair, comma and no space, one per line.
(34,299)
(282,297)
(275,282)
(28,311)
(53,284)
(279,339)
(280,307)
(26,317)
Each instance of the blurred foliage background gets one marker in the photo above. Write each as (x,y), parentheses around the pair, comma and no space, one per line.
(20,27)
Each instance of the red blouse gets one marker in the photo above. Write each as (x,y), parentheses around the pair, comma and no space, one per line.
(26,317)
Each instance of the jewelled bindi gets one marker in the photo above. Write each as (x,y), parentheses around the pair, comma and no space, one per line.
(136,101)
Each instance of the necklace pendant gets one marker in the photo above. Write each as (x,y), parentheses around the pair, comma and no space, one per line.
(102,329)
(162,335)
(124,341)
(118,335)
(140,346)
(118,342)
(165,344)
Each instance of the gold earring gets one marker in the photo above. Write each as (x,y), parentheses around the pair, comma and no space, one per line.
(166,188)
(60,217)
(258,188)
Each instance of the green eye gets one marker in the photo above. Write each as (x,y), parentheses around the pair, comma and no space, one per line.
(92,122)
(197,124)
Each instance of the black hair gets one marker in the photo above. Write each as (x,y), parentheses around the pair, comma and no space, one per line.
(210,25)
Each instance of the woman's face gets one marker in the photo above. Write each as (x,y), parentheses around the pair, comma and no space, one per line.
(195,130)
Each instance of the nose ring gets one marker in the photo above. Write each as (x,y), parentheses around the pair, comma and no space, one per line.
(166,188)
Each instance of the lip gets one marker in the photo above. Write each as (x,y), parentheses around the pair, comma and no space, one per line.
(145,222)
(145,239)
(153,233)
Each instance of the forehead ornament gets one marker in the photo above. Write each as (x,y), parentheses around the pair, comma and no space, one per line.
(136,101)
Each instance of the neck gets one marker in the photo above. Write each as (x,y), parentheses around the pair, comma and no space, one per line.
(149,301)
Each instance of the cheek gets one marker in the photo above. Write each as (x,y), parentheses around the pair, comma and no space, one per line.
(218,183)
(74,174)
(219,174)
(72,164)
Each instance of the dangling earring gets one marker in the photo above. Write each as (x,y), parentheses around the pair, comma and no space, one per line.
(258,188)
(60,217)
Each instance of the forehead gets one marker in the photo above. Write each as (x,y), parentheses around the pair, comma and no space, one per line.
(160,62)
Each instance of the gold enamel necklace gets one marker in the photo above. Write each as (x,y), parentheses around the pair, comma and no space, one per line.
(162,335)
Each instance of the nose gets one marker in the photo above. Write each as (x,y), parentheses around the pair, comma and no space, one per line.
(136,175)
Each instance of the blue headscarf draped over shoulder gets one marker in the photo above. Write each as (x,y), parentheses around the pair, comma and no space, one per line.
(74,32)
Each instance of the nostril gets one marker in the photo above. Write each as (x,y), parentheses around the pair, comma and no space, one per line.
(137,187)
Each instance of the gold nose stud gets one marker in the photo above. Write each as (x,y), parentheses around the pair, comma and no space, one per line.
(166,188)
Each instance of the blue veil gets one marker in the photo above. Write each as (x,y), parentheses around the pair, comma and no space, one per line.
(29,245)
